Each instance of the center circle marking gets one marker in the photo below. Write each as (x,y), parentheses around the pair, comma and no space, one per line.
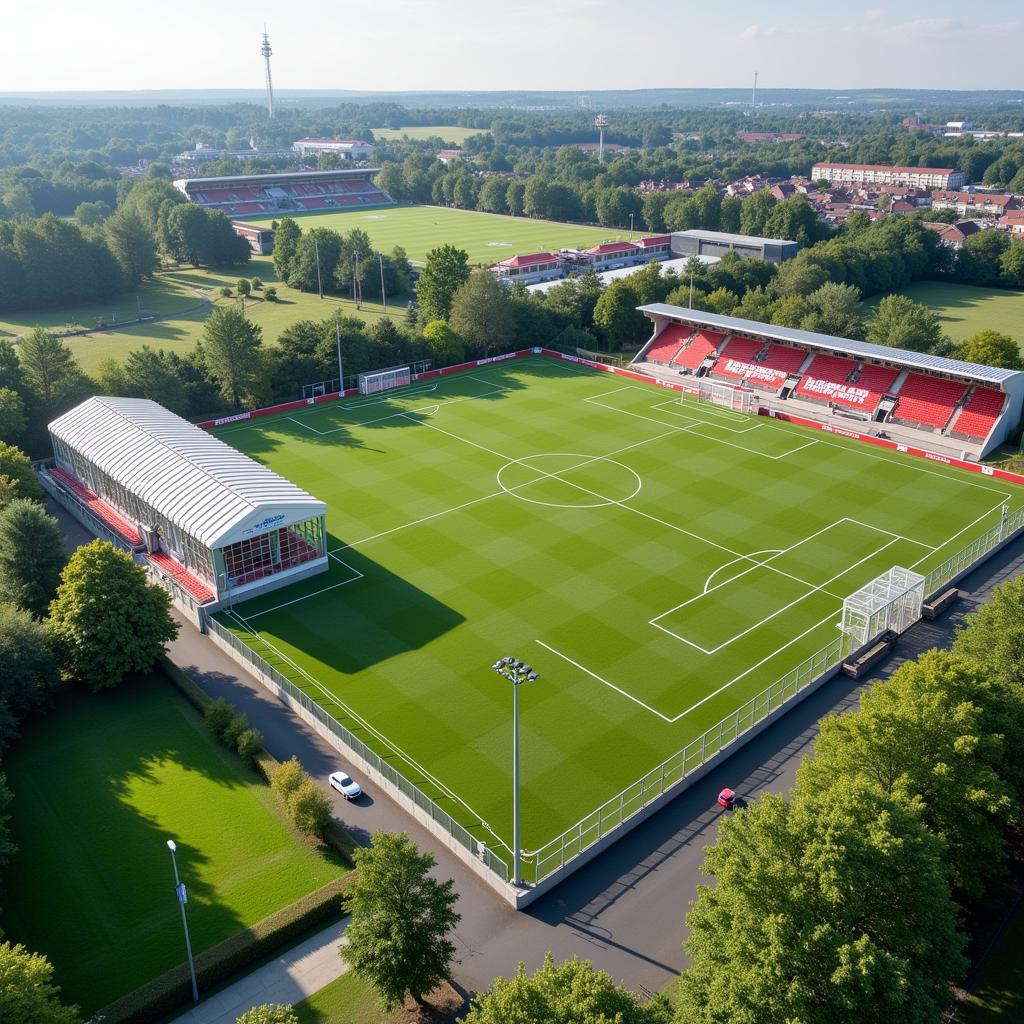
(566,462)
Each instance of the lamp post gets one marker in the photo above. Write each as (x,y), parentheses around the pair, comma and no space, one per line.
(179,891)
(516,673)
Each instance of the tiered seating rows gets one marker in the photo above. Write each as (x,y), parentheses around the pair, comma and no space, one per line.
(97,506)
(668,343)
(295,550)
(784,359)
(827,380)
(173,568)
(980,413)
(928,400)
(704,344)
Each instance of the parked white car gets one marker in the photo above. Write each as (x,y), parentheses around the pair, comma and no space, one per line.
(345,785)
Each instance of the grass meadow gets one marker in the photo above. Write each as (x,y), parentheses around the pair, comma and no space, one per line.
(100,785)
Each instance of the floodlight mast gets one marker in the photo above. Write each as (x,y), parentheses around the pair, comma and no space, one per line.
(517,673)
(266,51)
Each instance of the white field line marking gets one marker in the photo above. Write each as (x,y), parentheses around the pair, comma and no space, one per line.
(612,686)
(489,383)
(316,593)
(859,449)
(898,536)
(629,508)
(712,410)
(803,597)
(366,725)
(775,552)
(494,494)
(743,448)
(693,707)
(950,540)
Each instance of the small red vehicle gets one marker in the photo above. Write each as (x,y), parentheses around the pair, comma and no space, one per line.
(727,799)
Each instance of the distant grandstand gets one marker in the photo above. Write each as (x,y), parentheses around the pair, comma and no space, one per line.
(937,403)
(254,195)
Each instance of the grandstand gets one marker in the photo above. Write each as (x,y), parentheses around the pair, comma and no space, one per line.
(944,405)
(251,195)
(207,521)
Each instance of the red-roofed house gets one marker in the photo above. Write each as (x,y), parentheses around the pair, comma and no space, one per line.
(656,245)
(954,235)
(534,266)
(1013,221)
(964,203)
(615,254)
(447,156)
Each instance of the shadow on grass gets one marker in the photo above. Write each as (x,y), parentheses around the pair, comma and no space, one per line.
(92,885)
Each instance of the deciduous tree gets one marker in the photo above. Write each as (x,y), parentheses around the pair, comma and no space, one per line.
(934,734)
(31,555)
(572,992)
(27,992)
(446,270)
(481,315)
(833,908)
(994,634)
(30,668)
(991,348)
(903,323)
(231,352)
(107,620)
(616,315)
(398,940)
(17,475)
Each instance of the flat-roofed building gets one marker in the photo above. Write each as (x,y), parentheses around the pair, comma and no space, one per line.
(945,178)
(697,242)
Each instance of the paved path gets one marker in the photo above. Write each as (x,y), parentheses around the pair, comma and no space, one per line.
(625,910)
(303,970)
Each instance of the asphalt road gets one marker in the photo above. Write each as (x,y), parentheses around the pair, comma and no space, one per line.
(625,910)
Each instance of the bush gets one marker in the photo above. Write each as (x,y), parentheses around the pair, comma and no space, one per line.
(257,284)
(309,809)
(270,294)
(269,1013)
(162,996)
(219,716)
(287,778)
(225,292)
(238,724)
(249,744)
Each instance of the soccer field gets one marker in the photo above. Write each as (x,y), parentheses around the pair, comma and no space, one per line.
(486,237)
(658,561)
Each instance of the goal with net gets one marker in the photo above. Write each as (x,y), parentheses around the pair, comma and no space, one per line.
(738,399)
(384,380)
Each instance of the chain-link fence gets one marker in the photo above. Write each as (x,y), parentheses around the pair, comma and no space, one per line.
(441,818)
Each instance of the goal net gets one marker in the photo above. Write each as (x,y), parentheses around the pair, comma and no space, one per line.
(739,399)
(383,380)
(892,601)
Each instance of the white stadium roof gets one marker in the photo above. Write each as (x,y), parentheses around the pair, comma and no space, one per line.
(206,488)
(859,349)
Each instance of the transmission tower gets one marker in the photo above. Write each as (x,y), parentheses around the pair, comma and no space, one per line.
(753,94)
(600,123)
(266,51)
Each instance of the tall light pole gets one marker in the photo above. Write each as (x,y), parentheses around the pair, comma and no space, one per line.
(341,375)
(383,294)
(516,673)
(179,891)
(631,227)
(319,283)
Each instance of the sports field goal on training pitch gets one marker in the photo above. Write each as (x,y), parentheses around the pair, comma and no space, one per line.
(737,399)
(892,601)
(383,380)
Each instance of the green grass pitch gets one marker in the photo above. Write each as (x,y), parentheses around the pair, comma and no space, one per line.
(486,237)
(657,561)
(100,785)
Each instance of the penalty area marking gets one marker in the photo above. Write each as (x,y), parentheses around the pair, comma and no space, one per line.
(334,586)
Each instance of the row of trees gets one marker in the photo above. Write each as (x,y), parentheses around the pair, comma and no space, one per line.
(844,902)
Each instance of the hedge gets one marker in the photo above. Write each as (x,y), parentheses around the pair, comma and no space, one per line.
(170,992)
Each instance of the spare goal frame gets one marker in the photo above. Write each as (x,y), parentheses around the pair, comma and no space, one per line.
(891,602)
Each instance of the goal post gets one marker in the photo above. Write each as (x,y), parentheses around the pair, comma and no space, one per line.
(892,601)
(725,395)
(384,380)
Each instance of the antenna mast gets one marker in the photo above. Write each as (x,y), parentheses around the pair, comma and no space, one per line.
(753,95)
(600,123)
(266,51)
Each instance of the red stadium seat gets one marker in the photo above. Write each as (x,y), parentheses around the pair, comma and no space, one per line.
(668,343)
(927,401)
(703,344)
(103,511)
(980,413)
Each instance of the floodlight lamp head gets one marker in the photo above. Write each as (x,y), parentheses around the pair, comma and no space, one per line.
(517,664)
(533,677)
(528,670)
(171,845)
(497,666)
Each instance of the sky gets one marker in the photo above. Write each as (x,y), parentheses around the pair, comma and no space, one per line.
(576,45)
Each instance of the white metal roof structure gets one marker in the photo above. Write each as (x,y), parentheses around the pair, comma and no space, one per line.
(206,488)
(860,349)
